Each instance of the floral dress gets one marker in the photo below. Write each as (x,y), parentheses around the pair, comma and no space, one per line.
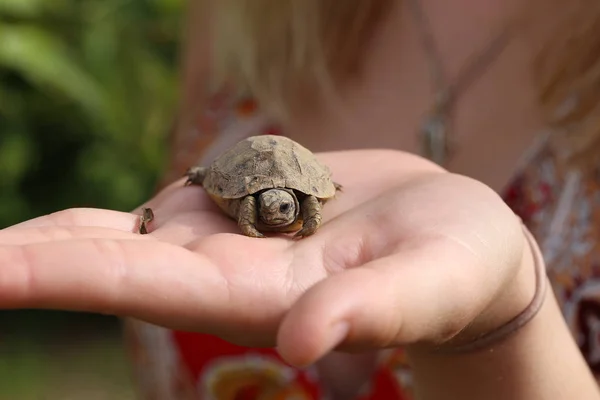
(560,205)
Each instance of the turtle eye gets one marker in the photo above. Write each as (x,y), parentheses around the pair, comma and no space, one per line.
(285,207)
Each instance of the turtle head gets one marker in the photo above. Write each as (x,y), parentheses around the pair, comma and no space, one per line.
(277,207)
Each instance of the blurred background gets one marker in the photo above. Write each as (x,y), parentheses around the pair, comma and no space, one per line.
(87,93)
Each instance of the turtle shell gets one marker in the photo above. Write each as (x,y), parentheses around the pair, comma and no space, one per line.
(266,162)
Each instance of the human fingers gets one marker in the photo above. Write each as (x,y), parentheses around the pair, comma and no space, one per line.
(17,237)
(146,279)
(420,275)
(183,228)
(167,205)
(381,304)
(90,217)
(179,229)
(237,294)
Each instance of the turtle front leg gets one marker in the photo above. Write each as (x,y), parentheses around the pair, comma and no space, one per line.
(311,215)
(195,176)
(247,217)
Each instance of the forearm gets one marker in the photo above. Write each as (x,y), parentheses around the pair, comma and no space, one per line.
(540,361)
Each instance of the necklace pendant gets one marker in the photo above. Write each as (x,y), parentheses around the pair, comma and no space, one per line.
(434,138)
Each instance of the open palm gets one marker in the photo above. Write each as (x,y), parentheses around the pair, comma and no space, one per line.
(406,253)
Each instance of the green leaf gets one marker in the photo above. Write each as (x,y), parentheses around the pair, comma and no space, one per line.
(29,9)
(22,8)
(42,58)
(16,151)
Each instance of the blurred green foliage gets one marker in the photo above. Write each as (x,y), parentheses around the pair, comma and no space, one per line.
(87,95)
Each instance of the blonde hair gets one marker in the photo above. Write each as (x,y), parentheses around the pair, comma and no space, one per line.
(283,51)
(568,79)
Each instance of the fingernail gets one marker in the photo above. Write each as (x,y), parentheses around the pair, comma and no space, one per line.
(337,335)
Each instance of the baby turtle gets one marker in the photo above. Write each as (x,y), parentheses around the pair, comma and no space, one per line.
(268,183)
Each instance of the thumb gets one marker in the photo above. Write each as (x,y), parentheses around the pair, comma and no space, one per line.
(423,293)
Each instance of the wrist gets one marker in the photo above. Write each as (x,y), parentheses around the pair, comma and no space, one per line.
(515,305)
(535,358)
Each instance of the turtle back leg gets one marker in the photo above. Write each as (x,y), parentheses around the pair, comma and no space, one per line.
(195,176)
(146,217)
(248,216)
(311,215)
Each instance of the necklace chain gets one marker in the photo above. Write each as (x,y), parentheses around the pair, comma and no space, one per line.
(433,133)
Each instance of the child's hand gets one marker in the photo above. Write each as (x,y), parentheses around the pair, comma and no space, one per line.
(407,254)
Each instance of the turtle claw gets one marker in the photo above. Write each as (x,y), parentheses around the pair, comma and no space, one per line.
(195,176)
(189,179)
(311,214)
(146,217)
(307,230)
(299,235)
(251,231)
(247,218)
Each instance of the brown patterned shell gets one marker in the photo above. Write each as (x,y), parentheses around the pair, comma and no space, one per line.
(265,162)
